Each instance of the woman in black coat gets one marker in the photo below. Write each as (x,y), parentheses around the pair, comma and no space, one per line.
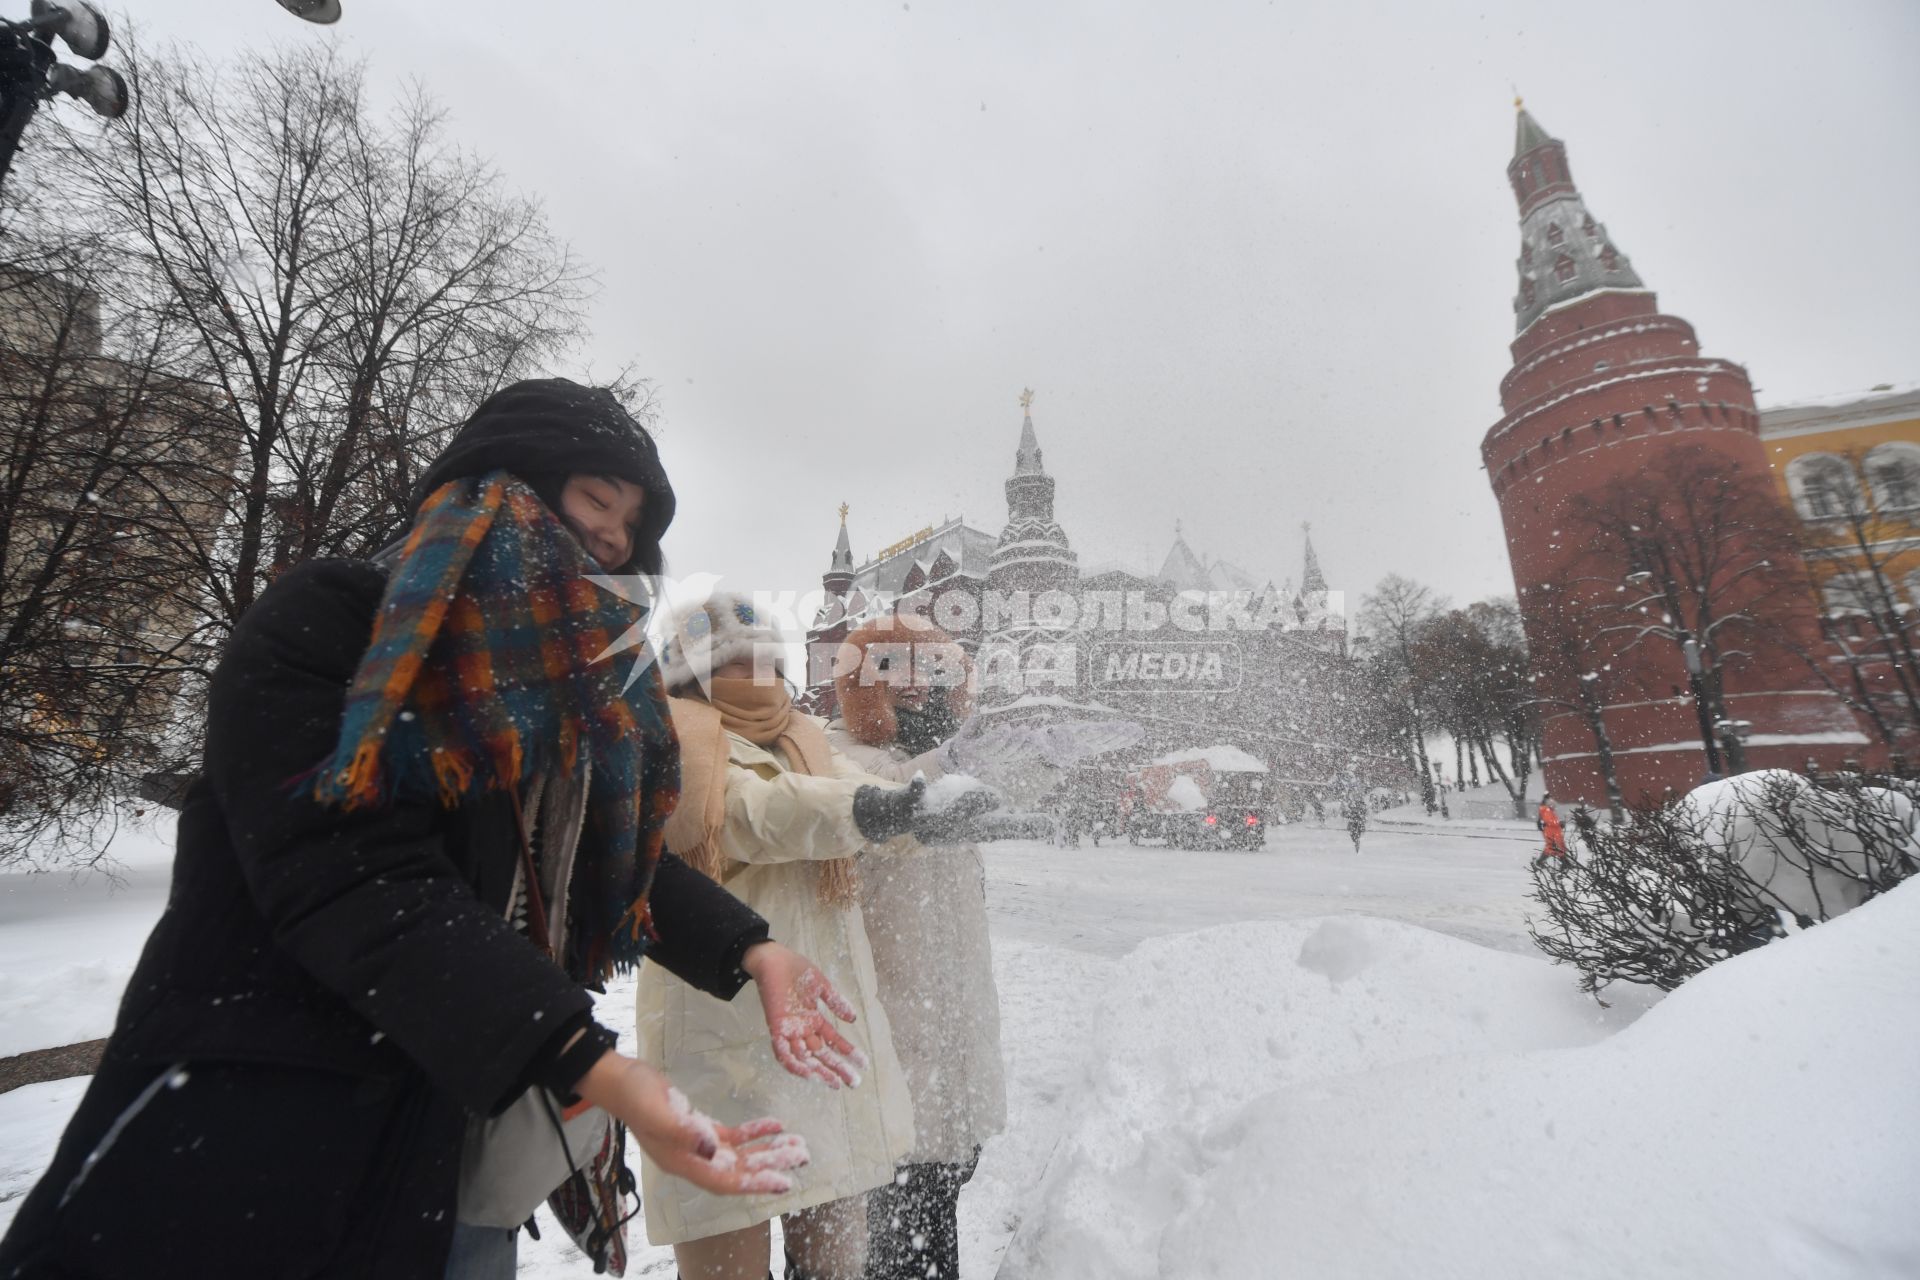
(333,989)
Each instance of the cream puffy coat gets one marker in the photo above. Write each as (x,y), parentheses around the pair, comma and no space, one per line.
(717,1052)
(927,924)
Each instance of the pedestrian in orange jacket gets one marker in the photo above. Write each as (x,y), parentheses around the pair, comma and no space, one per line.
(1549,824)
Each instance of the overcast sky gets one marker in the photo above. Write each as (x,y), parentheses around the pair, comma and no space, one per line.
(1255,259)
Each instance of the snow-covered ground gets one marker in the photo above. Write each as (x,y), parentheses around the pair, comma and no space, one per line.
(68,942)
(1303,1062)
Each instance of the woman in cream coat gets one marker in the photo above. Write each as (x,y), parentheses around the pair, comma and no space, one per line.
(903,688)
(773,814)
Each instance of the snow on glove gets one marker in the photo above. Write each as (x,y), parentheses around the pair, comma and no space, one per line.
(955,823)
(881,813)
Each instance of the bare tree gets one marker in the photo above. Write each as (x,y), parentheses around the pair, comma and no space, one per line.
(1849,523)
(1711,555)
(256,310)
(1472,668)
(1394,614)
(100,631)
(1566,652)
(353,286)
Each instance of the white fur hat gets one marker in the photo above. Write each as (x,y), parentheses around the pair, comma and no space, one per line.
(723,628)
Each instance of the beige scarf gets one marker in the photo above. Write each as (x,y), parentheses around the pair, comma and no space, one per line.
(764,715)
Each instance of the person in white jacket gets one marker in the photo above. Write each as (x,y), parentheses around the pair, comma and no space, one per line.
(902,687)
(774,815)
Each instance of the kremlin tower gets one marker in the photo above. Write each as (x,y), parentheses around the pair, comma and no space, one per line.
(1607,393)
(1032,554)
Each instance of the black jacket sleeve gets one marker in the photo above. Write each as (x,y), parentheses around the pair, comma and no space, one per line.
(367,901)
(704,930)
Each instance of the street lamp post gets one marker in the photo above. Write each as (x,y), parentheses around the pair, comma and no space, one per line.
(29,72)
(313,10)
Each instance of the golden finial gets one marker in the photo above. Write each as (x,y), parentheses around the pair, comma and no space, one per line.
(844,508)
(1026,399)
(1519,103)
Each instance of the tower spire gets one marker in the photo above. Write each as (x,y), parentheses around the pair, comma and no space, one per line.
(838,579)
(1027,459)
(1564,253)
(1033,553)
(1311,579)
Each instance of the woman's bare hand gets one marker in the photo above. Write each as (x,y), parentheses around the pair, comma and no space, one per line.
(752,1159)
(805,1041)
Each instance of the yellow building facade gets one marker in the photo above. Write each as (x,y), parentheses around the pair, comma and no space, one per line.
(1850,467)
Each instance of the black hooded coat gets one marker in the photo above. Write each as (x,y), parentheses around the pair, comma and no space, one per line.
(328,995)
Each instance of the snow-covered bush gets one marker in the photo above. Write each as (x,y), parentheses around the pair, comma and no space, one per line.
(1726,868)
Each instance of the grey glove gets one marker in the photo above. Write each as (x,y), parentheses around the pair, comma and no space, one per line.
(881,813)
(955,823)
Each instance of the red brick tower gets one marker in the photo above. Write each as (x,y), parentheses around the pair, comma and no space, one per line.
(1604,387)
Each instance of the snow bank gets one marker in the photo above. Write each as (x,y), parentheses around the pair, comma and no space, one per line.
(32,1119)
(1359,1098)
(1748,815)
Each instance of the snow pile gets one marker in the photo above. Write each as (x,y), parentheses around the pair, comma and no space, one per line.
(1757,816)
(1360,1098)
(1221,758)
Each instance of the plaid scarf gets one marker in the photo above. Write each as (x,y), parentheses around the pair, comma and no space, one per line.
(482,673)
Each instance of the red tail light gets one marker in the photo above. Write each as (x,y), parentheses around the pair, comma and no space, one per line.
(1253,820)
(1211,819)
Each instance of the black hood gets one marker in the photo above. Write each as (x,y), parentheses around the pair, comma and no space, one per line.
(545,429)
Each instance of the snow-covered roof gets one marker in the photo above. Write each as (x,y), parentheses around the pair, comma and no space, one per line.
(1222,576)
(971,549)
(1182,570)
(1221,758)
(1834,399)
(1888,402)
(1101,568)
(1186,796)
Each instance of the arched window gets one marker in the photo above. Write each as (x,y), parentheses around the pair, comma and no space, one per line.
(1823,486)
(1554,234)
(1894,470)
(1563,268)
